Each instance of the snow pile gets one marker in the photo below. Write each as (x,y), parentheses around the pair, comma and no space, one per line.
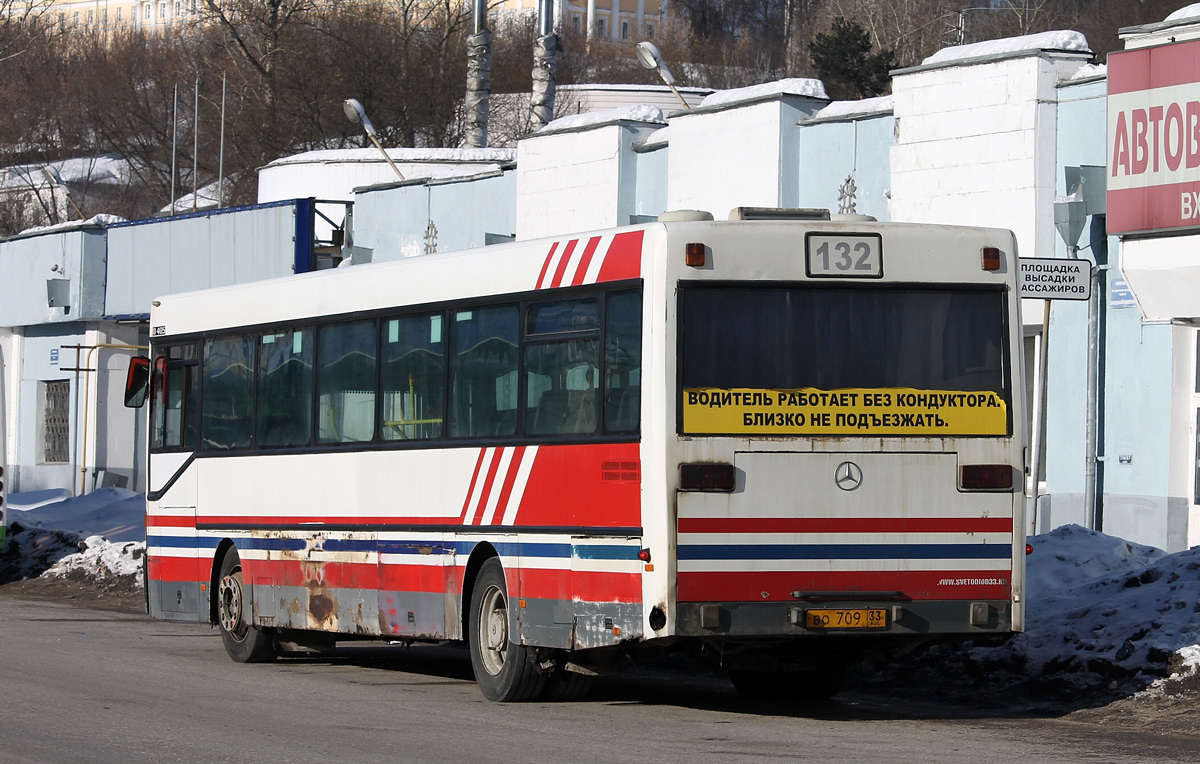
(1060,40)
(100,537)
(794,86)
(101,560)
(635,113)
(1104,617)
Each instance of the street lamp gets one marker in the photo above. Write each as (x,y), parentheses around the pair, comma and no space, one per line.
(649,57)
(357,114)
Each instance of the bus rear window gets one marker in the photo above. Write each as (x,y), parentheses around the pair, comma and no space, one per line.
(841,360)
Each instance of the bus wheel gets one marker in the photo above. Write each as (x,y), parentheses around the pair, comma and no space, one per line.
(804,687)
(503,669)
(243,642)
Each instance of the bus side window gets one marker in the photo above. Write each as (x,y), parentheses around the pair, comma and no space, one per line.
(173,407)
(623,362)
(483,372)
(346,382)
(228,398)
(413,362)
(285,388)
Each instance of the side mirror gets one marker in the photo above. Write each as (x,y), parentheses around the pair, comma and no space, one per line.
(137,382)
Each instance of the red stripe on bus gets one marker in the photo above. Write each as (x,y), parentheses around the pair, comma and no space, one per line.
(778,586)
(585,261)
(590,586)
(546,265)
(471,488)
(177,569)
(846,525)
(170,521)
(624,258)
(562,263)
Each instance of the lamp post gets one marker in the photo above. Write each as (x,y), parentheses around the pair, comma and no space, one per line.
(357,114)
(649,57)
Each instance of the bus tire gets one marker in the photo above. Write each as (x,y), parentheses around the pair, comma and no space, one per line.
(244,642)
(567,686)
(503,669)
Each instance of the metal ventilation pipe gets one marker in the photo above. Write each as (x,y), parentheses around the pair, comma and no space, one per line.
(545,62)
(479,79)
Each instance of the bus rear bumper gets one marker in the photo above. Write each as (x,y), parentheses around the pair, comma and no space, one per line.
(979,618)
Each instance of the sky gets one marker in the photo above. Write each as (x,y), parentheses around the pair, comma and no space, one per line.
(1096,606)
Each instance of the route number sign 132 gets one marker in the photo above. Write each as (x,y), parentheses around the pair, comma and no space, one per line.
(828,255)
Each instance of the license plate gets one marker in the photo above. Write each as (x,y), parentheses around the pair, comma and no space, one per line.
(845,618)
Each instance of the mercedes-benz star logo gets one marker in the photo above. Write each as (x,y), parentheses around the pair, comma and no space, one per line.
(848,476)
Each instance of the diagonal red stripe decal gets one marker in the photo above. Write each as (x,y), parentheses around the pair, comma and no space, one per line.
(624,257)
(471,487)
(514,466)
(488,485)
(586,260)
(562,263)
(546,265)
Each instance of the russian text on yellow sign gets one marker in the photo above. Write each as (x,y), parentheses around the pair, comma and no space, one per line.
(807,411)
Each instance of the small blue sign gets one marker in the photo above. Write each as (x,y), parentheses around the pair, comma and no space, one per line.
(1121,296)
(54,356)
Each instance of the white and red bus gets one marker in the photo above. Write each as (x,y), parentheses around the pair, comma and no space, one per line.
(774,443)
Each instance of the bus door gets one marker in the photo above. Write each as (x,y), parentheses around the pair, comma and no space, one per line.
(171,482)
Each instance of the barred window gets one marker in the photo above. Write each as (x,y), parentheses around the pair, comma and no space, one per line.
(55,435)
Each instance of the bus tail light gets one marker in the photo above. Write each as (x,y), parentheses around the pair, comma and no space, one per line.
(986,477)
(991,259)
(706,477)
(694,254)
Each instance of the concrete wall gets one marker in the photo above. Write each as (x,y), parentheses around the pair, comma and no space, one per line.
(578,179)
(975,144)
(842,156)
(742,155)
(442,216)
(26,263)
(651,194)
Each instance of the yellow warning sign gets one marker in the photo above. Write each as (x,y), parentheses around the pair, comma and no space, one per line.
(881,412)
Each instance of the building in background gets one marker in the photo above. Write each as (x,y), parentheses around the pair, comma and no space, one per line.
(1009,133)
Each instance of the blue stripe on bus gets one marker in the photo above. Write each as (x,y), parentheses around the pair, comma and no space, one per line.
(844,551)
(408,546)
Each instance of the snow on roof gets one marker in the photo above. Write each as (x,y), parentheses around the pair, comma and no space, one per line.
(660,137)
(1088,71)
(635,113)
(800,86)
(1059,40)
(850,109)
(329,156)
(101,220)
(1186,12)
(106,168)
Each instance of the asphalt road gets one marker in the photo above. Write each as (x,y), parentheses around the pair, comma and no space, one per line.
(96,686)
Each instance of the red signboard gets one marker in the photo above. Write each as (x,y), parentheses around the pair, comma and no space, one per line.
(1154,138)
